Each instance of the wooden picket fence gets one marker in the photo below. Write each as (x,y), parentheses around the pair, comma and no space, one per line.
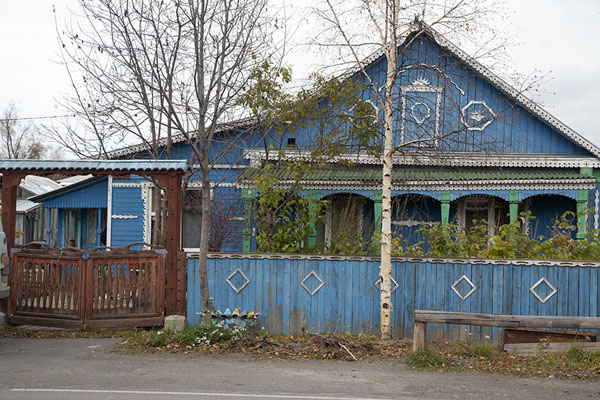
(96,289)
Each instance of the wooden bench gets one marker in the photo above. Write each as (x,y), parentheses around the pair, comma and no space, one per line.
(423,317)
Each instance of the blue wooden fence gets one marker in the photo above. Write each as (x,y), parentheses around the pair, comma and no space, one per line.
(296,294)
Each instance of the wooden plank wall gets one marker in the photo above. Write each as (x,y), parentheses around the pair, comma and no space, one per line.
(348,301)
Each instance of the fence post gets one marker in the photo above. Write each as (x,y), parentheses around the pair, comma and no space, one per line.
(86,274)
(419,336)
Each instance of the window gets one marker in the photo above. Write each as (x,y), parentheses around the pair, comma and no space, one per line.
(474,209)
(192,219)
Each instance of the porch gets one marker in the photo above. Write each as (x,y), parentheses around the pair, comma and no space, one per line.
(47,288)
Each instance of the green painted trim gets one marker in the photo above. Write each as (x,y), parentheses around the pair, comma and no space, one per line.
(247,233)
(596,173)
(583,195)
(378,195)
(586,171)
(246,193)
(445,198)
(313,197)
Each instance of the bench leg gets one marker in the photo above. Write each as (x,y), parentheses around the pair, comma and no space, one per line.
(419,336)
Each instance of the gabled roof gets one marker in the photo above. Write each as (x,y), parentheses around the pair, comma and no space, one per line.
(497,82)
(142,147)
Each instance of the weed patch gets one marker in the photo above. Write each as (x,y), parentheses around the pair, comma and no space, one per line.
(427,359)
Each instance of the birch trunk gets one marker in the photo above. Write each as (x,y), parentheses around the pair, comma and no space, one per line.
(385,270)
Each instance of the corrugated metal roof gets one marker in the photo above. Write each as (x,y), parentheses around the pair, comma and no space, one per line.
(72,180)
(24,206)
(37,185)
(97,165)
(142,147)
(374,175)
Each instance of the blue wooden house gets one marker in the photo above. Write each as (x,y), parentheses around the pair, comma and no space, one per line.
(496,154)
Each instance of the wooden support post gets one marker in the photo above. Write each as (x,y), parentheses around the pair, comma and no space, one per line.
(48,225)
(247,233)
(377,200)
(99,227)
(10,182)
(419,336)
(174,208)
(582,199)
(445,198)
(313,197)
(61,228)
(513,198)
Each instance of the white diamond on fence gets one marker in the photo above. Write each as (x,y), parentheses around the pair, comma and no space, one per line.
(317,277)
(246,280)
(470,292)
(548,296)
(395,284)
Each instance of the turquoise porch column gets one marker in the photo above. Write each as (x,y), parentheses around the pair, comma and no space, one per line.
(513,200)
(48,224)
(377,199)
(247,233)
(582,200)
(99,228)
(445,198)
(312,197)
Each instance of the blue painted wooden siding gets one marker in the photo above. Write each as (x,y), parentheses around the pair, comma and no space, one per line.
(514,131)
(349,300)
(89,196)
(127,201)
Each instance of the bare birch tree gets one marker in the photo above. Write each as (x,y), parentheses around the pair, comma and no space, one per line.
(390,27)
(146,72)
(18,139)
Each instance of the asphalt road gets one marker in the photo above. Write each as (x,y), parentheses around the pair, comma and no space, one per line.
(91,369)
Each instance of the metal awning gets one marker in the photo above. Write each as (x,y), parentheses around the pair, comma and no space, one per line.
(92,166)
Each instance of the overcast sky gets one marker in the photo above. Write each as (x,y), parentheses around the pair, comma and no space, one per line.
(554,35)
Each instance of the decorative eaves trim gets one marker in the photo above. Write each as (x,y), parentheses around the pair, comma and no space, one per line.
(377,259)
(458,159)
(525,184)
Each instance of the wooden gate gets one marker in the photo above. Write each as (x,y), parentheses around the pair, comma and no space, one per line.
(96,289)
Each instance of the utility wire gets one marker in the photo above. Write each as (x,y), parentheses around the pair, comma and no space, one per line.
(37,118)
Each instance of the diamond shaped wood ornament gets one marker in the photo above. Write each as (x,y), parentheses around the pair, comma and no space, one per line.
(533,288)
(395,284)
(317,277)
(470,292)
(246,280)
